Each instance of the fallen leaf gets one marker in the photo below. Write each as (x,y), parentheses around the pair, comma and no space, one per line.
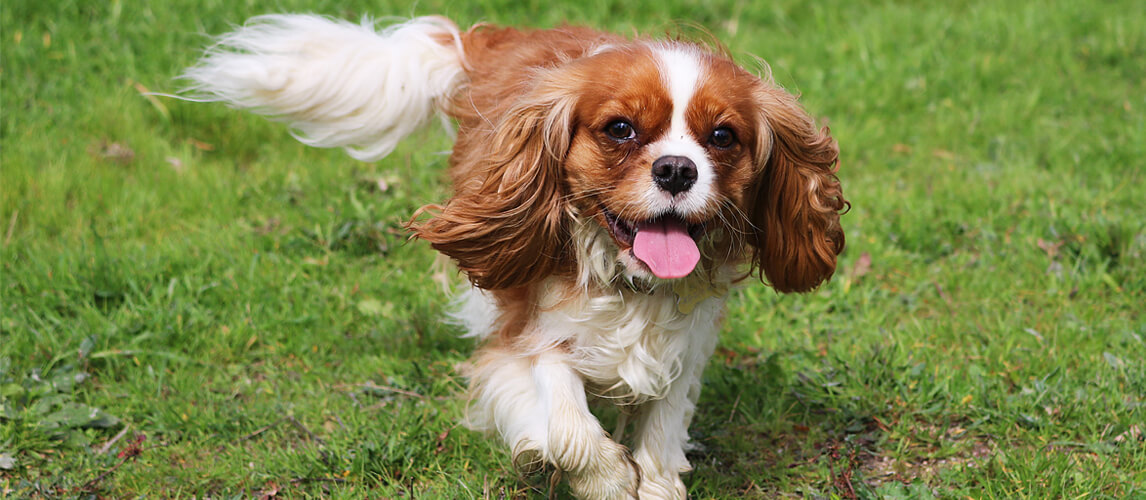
(1134,433)
(879,423)
(200,145)
(442,441)
(271,491)
(1051,249)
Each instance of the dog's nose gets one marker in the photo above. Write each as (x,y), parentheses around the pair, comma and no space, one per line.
(674,174)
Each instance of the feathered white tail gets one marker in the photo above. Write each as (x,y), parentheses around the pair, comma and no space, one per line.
(336,83)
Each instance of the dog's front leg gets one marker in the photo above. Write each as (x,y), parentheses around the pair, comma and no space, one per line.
(537,404)
(660,440)
(661,435)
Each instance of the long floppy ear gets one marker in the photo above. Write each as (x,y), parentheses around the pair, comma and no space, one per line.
(798,199)
(512,229)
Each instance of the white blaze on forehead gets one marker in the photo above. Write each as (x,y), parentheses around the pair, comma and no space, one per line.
(681,70)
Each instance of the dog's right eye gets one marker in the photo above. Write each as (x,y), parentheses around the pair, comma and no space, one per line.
(621,130)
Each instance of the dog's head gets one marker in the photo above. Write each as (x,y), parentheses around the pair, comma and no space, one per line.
(671,159)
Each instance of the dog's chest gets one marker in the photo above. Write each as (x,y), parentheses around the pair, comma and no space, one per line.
(626,345)
(634,346)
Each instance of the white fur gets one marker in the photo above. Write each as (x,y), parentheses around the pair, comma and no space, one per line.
(628,348)
(682,71)
(625,347)
(338,84)
(537,404)
(476,312)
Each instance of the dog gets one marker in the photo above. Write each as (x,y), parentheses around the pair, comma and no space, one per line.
(608,192)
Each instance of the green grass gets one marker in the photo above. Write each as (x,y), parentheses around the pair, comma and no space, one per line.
(253,308)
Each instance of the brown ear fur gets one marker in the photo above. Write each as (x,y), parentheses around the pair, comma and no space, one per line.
(506,226)
(798,199)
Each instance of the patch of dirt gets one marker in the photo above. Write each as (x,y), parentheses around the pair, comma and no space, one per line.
(881,469)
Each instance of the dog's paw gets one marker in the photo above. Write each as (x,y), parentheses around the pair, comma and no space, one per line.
(527,458)
(660,475)
(611,475)
(662,487)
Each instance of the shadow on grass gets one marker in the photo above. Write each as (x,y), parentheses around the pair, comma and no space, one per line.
(762,428)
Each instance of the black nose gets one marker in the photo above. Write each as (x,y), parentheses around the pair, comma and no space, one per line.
(674,174)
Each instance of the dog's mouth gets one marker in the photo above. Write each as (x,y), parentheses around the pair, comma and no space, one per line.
(666,244)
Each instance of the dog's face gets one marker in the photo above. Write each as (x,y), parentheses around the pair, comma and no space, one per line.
(665,142)
(683,159)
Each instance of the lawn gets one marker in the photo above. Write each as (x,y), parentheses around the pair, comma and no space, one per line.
(192,304)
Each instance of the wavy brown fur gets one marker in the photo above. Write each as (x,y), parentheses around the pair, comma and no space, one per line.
(798,202)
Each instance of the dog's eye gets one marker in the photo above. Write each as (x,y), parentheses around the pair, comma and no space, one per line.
(722,138)
(621,130)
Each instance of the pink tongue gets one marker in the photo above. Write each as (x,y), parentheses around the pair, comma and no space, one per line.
(666,248)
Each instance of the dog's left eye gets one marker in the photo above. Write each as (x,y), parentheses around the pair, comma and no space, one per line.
(621,130)
(722,138)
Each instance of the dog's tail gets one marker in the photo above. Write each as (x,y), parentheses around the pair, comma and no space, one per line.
(338,84)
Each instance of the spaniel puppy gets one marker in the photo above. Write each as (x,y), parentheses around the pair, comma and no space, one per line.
(607,193)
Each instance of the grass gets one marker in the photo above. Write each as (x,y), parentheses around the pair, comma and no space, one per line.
(195,305)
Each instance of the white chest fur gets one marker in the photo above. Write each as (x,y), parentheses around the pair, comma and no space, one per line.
(629,346)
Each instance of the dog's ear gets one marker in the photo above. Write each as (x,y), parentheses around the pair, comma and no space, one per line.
(796,200)
(512,229)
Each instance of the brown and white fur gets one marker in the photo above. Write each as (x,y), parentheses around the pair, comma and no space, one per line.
(571,143)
